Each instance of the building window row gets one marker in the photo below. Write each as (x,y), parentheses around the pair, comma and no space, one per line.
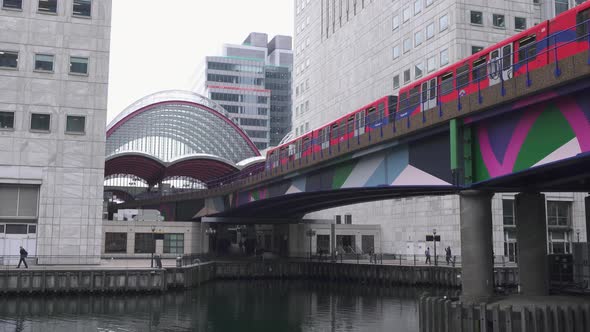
(420,36)
(303,46)
(82,8)
(420,68)
(498,20)
(43,62)
(41,122)
(406,13)
(300,5)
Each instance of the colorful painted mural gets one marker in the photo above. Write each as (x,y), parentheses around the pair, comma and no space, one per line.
(552,130)
(420,163)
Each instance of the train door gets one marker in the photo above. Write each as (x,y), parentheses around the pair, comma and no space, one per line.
(350,127)
(431,102)
(334,134)
(359,123)
(500,64)
(304,148)
(298,149)
(325,137)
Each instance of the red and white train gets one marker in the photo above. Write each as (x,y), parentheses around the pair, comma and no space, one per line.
(563,36)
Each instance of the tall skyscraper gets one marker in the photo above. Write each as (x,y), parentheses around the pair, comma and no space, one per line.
(351,52)
(252,81)
(54,65)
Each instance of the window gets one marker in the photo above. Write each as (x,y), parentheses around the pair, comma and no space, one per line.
(395,22)
(559,213)
(519,23)
(19,202)
(475,49)
(443,23)
(1,229)
(82,8)
(446,85)
(174,243)
(78,65)
(115,243)
(407,45)
(582,23)
(559,242)
(47,6)
(12,4)
(6,120)
(396,81)
(323,244)
(417,6)
(145,243)
(407,76)
(16,229)
(32,229)
(431,64)
(444,57)
(561,6)
(406,14)
(476,17)
(40,121)
(395,51)
(508,212)
(429,2)
(479,68)
(77,124)
(418,38)
(430,30)
(498,21)
(462,76)
(527,49)
(8,59)
(44,62)
(418,70)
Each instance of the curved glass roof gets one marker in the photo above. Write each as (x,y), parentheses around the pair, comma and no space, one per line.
(170,125)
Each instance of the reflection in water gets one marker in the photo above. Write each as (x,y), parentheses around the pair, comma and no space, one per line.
(222,306)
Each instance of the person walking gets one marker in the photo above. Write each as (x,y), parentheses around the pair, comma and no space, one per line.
(448,254)
(23,255)
(427,254)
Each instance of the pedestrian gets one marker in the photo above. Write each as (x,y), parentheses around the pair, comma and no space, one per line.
(427,253)
(448,254)
(23,255)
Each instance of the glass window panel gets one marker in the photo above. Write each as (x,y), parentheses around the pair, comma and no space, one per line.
(44,62)
(78,65)
(418,70)
(28,202)
(8,59)
(508,211)
(6,120)
(406,14)
(476,17)
(444,57)
(561,6)
(444,22)
(16,229)
(8,201)
(40,121)
(32,229)
(12,4)
(82,7)
(1,229)
(418,38)
(396,81)
(145,243)
(417,6)
(475,49)
(407,76)
(498,20)
(75,124)
(519,23)
(115,243)
(407,45)
(395,22)
(430,31)
(48,6)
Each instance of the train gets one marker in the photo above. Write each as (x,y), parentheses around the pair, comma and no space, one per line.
(563,36)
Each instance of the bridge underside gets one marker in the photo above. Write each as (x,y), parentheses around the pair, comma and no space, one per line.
(297,205)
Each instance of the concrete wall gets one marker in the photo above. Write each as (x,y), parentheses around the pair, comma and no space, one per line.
(68,168)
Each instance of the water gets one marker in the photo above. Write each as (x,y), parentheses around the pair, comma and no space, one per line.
(221,306)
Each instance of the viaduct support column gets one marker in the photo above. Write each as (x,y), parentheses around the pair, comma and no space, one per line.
(531,237)
(476,245)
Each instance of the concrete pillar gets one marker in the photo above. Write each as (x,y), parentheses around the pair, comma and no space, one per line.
(476,245)
(531,237)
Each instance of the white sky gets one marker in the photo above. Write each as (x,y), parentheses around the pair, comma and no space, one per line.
(158,45)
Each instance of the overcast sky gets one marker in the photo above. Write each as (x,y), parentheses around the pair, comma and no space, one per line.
(158,45)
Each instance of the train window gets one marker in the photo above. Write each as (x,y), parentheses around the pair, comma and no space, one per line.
(342,128)
(414,96)
(305,144)
(432,88)
(494,63)
(582,21)
(350,124)
(507,57)
(360,123)
(479,68)
(526,49)
(371,115)
(334,131)
(463,76)
(381,107)
(446,84)
(424,91)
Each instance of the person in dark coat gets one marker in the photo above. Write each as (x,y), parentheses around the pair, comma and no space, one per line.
(23,255)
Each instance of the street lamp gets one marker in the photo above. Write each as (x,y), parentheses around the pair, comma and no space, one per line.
(153,245)
(434,241)
(311,233)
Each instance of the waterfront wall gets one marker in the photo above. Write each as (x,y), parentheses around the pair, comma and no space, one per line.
(439,314)
(150,280)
